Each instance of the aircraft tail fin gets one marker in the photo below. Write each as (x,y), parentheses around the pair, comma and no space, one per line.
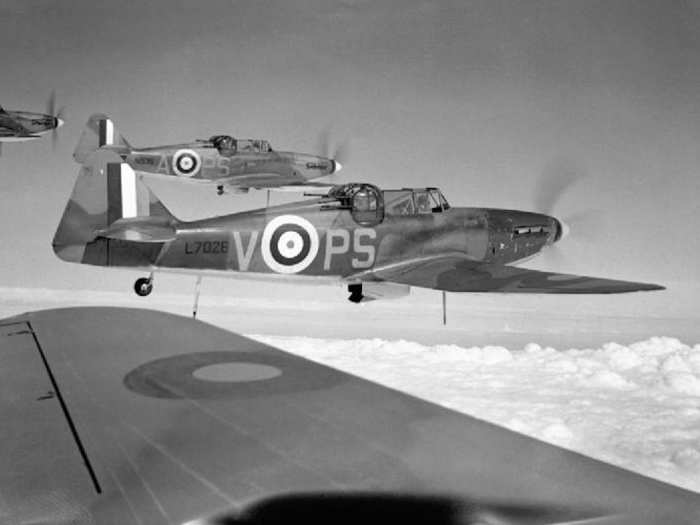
(110,203)
(99,132)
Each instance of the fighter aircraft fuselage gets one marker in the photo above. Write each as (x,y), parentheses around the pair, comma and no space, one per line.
(202,162)
(19,126)
(319,238)
(246,242)
(356,233)
(225,161)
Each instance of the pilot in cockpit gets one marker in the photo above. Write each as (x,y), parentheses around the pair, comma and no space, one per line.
(225,144)
(423,202)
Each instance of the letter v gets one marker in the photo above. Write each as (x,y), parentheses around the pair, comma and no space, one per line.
(244,256)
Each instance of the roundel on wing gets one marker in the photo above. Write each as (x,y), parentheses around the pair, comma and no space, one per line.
(186,162)
(289,244)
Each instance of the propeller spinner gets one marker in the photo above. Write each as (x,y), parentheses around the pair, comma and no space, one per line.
(56,115)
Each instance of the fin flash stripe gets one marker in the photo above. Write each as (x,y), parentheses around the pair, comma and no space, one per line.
(106,132)
(122,199)
(128,186)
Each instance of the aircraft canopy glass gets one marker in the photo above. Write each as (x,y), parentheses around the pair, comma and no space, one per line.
(369,204)
(229,146)
(414,201)
(254,146)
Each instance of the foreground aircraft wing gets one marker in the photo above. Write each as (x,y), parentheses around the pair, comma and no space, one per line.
(455,273)
(114,415)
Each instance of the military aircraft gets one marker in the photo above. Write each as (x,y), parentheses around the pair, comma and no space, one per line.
(129,416)
(229,163)
(19,126)
(378,243)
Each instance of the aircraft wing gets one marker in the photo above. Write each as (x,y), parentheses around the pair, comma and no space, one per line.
(307,187)
(115,415)
(272,181)
(456,273)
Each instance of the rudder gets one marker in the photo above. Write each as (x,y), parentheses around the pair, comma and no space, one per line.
(110,203)
(99,132)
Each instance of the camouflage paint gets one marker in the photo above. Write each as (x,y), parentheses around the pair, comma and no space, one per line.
(200,161)
(456,249)
(23,125)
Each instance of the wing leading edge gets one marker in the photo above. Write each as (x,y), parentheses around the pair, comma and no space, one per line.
(455,273)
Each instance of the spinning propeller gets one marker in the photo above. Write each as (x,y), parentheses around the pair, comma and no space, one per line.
(557,179)
(56,115)
(339,152)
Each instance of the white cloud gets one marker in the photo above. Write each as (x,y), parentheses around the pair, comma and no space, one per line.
(634,405)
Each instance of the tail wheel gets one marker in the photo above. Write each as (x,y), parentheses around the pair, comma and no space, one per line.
(143,286)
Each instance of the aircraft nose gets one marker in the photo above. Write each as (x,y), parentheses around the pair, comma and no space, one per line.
(57,122)
(562,230)
(337,166)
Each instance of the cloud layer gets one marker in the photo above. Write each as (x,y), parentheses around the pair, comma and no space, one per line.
(636,405)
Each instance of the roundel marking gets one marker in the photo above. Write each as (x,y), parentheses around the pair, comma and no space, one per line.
(289,244)
(186,162)
(252,372)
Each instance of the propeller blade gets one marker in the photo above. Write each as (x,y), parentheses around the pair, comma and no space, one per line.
(337,152)
(585,225)
(324,142)
(57,115)
(51,103)
(342,152)
(556,179)
(553,255)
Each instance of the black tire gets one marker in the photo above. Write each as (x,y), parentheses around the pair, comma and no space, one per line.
(143,286)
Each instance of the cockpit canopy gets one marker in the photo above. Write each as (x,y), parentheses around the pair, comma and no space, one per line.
(368,204)
(228,146)
(414,201)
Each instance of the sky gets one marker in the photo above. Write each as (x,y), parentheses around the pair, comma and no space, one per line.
(488,100)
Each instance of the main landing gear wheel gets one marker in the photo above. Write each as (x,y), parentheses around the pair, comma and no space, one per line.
(220,189)
(143,286)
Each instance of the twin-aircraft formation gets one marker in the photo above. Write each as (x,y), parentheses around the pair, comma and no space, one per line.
(377,242)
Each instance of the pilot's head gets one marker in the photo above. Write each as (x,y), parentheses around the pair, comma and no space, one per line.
(225,144)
